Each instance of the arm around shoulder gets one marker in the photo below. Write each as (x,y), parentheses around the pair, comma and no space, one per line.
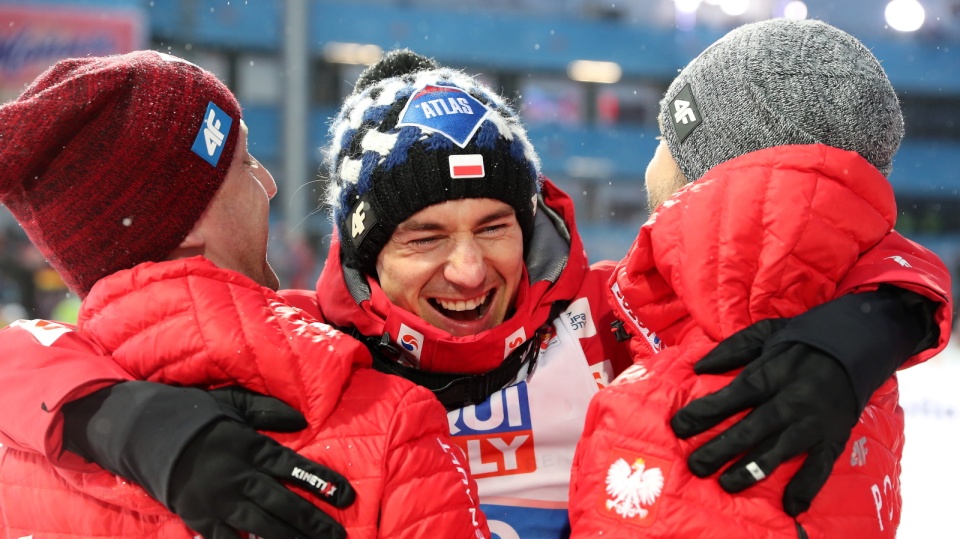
(904,264)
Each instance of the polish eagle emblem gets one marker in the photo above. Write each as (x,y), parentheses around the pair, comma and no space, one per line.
(632,487)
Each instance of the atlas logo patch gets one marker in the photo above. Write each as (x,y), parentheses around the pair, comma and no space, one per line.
(684,113)
(411,341)
(447,110)
(361,221)
(213,132)
(496,435)
(634,484)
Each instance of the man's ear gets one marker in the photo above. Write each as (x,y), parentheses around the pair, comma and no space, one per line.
(194,240)
(192,245)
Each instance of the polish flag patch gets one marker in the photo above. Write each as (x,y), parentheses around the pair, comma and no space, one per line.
(466,166)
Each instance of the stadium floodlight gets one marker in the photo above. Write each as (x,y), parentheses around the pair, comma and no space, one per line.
(593,71)
(735,8)
(687,6)
(904,15)
(351,53)
(795,10)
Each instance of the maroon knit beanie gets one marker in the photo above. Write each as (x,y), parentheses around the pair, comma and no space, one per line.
(108,162)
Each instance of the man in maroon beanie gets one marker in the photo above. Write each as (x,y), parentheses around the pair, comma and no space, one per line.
(131,174)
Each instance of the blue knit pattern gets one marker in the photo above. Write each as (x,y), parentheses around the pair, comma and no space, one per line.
(374,106)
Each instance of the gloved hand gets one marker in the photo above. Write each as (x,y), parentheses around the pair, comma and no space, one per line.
(199,454)
(807,380)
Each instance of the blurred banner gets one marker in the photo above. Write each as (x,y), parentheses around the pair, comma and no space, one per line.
(32,38)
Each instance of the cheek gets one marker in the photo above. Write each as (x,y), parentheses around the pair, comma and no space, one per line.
(508,260)
(402,280)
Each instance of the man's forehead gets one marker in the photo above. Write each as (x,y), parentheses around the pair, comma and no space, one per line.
(457,213)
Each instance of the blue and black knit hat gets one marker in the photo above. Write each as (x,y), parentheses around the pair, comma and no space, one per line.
(413,135)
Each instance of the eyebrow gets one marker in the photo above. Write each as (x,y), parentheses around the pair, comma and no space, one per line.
(429,226)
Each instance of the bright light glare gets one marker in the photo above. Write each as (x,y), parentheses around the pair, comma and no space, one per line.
(591,71)
(795,10)
(904,15)
(735,8)
(352,53)
(687,6)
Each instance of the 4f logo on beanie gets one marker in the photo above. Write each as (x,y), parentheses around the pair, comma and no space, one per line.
(684,113)
(213,131)
(361,220)
(447,110)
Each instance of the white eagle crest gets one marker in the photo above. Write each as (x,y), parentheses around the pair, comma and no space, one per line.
(633,486)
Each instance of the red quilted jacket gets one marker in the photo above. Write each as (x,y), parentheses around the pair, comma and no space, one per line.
(769,234)
(190,323)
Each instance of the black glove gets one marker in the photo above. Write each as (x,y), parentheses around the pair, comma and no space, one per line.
(807,379)
(199,454)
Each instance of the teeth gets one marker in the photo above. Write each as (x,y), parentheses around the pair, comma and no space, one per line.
(461,305)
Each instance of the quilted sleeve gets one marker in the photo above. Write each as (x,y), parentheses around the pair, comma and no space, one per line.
(44,365)
(429,491)
(908,265)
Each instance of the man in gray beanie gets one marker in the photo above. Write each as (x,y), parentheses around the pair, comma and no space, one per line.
(772,231)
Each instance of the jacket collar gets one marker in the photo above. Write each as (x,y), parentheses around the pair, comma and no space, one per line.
(768,234)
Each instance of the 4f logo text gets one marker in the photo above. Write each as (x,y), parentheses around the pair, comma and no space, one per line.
(213,132)
(685,113)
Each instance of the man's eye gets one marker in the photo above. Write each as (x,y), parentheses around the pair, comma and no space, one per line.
(422,242)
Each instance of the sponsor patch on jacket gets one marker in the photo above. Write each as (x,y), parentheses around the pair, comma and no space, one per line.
(578,319)
(411,341)
(514,340)
(45,331)
(651,337)
(446,110)
(633,485)
(497,435)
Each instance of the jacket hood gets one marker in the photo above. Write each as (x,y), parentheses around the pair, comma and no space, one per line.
(768,234)
(349,299)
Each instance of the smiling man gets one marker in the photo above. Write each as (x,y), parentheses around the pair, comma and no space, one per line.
(430,265)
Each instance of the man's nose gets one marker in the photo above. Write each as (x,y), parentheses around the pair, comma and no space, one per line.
(269,184)
(465,266)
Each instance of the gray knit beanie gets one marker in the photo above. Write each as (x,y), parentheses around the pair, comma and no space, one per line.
(779,82)
(413,135)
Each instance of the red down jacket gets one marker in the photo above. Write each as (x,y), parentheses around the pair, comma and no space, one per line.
(190,323)
(701,269)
